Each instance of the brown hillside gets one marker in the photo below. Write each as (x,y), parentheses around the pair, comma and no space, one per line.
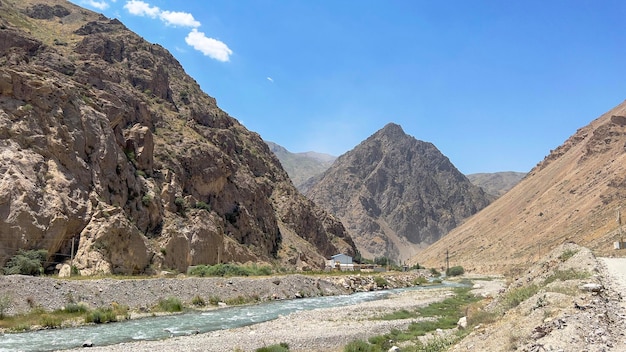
(572,195)
(109,147)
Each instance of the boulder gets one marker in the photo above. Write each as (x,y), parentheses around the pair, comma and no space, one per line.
(462,323)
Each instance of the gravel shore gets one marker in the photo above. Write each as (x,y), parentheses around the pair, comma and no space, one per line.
(326,329)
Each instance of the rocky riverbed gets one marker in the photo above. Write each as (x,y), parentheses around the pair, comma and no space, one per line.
(140,295)
(575,304)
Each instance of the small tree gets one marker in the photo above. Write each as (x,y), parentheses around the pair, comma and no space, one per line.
(455,271)
(26,263)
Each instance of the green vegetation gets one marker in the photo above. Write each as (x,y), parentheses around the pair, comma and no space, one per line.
(214,300)
(361,346)
(170,304)
(130,155)
(455,271)
(50,321)
(438,315)
(202,205)
(567,254)
(5,304)
(181,206)
(518,295)
(26,263)
(226,270)
(416,267)
(76,308)
(101,316)
(564,275)
(380,281)
(198,301)
(281,347)
(146,200)
(420,281)
(400,314)
(240,300)
(57,318)
(434,272)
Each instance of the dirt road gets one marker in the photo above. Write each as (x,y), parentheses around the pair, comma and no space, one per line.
(616,268)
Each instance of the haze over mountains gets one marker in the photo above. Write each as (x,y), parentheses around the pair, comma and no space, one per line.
(301,166)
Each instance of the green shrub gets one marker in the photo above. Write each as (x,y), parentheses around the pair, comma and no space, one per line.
(380,281)
(101,316)
(49,321)
(198,301)
(361,346)
(420,281)
(75,308)
(455,271)
(518,295)
(399,314)
(564,275)
(146,200)
(226,270)
(237,301)
(567,254)
(170,304)
(281,347)
(5,303)
(26,263)
(434,272)
(202,205)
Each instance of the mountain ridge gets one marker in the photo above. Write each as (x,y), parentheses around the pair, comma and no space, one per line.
(572,195)
(108,144)
(396,194)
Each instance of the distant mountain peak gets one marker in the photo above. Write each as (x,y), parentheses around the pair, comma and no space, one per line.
(391,130)
(396,194)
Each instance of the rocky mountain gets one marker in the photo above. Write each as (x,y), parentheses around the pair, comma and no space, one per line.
(396,194)
(107,144)
(573,195)
(301,166)
(496,183)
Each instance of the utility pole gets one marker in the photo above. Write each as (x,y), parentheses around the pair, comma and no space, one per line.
(447,262)
(72,257)
(619,226)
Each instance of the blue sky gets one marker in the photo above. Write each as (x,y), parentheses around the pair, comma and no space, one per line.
(495,85)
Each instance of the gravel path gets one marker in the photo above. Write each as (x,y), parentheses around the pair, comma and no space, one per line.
(616,268)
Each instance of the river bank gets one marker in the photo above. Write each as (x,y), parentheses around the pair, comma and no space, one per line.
(140,295)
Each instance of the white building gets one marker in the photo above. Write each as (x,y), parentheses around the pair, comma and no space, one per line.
(342,262)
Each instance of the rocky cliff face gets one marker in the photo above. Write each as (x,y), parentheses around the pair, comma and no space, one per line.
(105,140)
(396,194)
(573,195)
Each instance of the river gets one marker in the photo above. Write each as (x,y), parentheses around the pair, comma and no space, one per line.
(161,327)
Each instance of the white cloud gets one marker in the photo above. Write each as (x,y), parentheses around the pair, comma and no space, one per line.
(178,19)
(100,5)
(270,79)
(140,8)
(210,47)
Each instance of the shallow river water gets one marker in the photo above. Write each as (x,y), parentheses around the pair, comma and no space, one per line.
(153,328)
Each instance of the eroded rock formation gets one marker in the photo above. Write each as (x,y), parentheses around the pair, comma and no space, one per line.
(106,141)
